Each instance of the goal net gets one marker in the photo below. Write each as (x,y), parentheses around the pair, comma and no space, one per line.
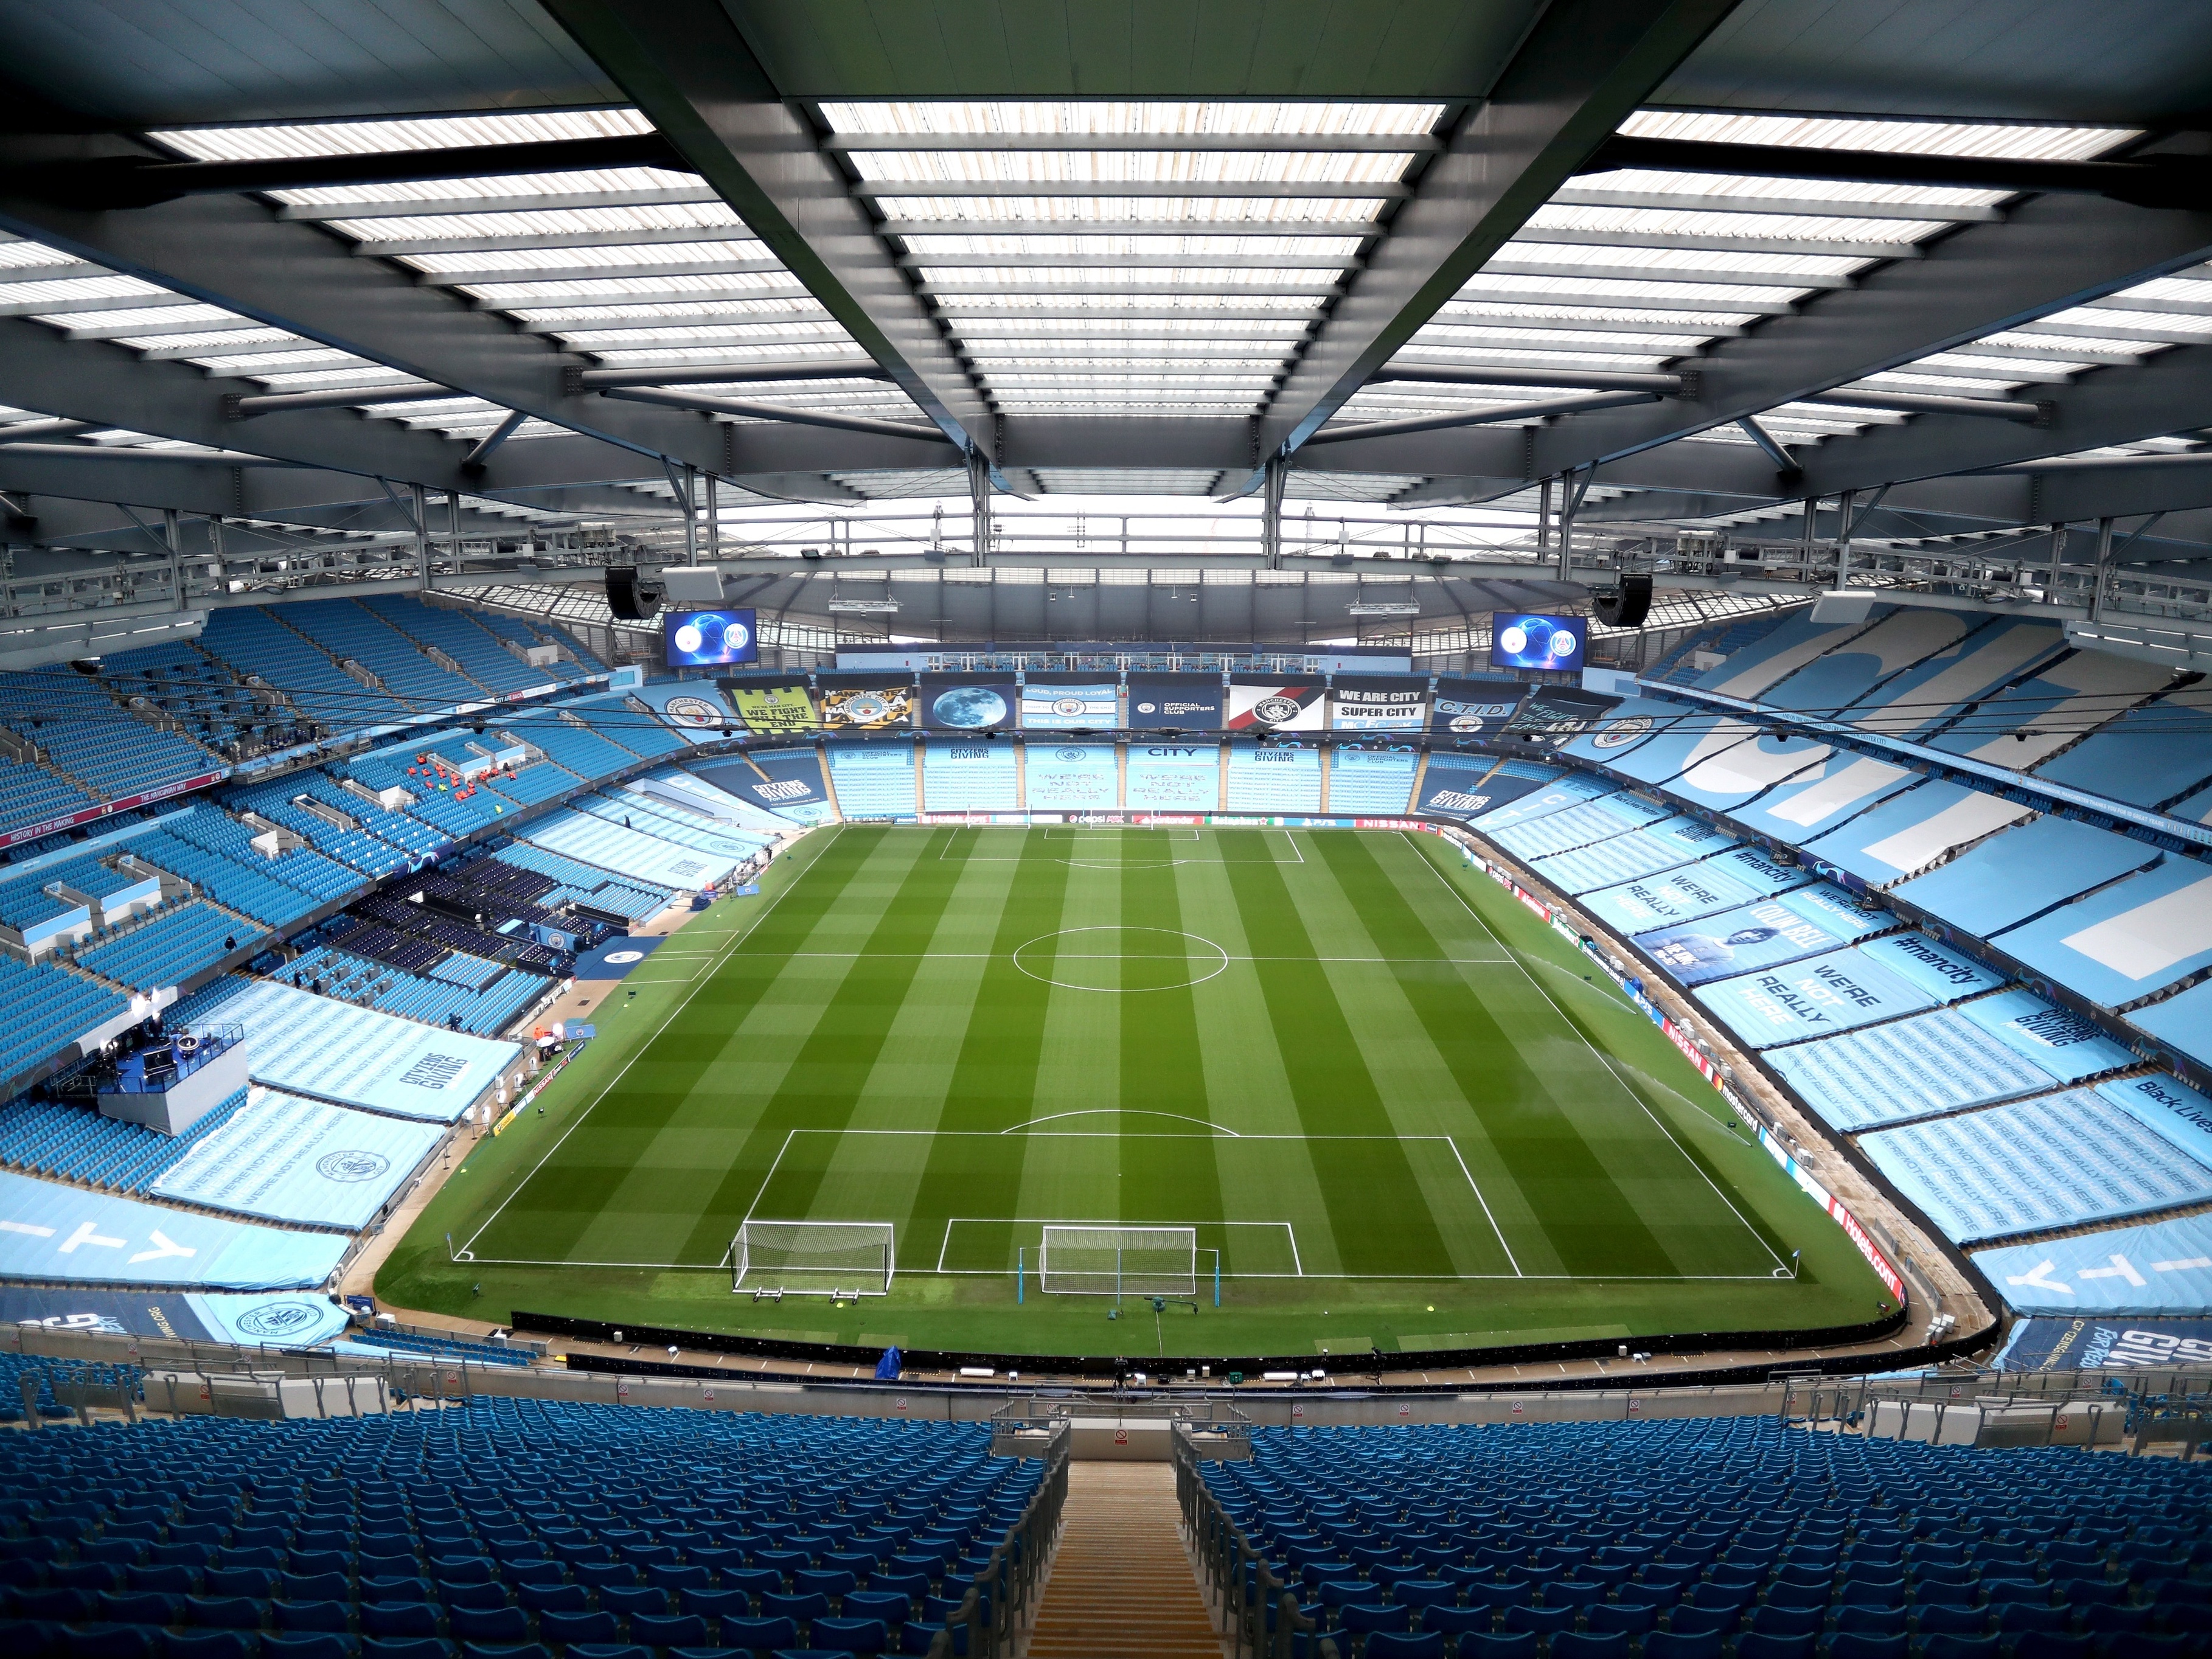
(813,1258)
(1119,1260)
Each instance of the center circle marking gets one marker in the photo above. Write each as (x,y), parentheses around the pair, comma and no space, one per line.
(1083,957)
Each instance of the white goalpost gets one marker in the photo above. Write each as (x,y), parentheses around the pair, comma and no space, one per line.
(1099,1261)
(812,1258)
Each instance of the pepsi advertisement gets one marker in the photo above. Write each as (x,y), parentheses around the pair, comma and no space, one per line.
(709,639)
(1522,642)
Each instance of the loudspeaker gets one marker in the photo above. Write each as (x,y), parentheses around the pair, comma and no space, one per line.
(630,596)
(1627,605)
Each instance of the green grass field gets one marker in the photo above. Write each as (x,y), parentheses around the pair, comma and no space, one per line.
(1392,1100)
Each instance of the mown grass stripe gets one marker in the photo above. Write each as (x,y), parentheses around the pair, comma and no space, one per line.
(1589,1221)
(1163,1070)
(1330,1085)
(827,1079)
(566,1196)
(993,1083)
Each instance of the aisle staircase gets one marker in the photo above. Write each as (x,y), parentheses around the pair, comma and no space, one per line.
(1121,1582)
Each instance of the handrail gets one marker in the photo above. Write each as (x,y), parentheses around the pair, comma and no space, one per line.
(996,1602)
(1259,1612)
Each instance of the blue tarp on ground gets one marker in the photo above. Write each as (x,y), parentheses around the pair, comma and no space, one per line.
(2056,1161)
(1710,885)
(785,782)
(1855,667)
(1943,971)
(1632,725)
(1748,674)
(1929,693)
(1724,780)
(286,1318)
(1829,994)
(2135,937)
(1079,777)
(1556,796)
(971,776)
(1596,819)
(2153,1268)
(1904,836)
(1829,795)
(284,1158)
(2027,868)
(1662,846)
(2149,755)
(311,1045)
(2183,1022)
(1174,777)
(2105,1344)
(50,1232)
(2167,1107)
(2059,1042)
(1939,1061)
(2035,719)
(613,958)
(1801,923)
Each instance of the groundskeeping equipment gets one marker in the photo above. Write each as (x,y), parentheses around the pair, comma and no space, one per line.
(812,1258)
(1087,1259)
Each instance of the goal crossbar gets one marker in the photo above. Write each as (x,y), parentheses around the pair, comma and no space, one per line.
(1089,1259)
(813,1258)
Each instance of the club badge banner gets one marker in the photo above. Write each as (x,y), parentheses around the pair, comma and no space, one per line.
(1275,707)
(873,708)
(1085,707)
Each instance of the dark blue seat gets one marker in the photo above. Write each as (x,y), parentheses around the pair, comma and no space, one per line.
(105,1642)
(886,1605)
(213,1643)
(1854,1645)
(1404,1644)
(1857,1620)
(569,1627)
(1772,1620)
(763,1635)
(849,1636)
(500,1650)
(476,1597)
(1424,1593)
(1702,1621)
(1760,1644)
(1373,1615)
(392,1621)
(1584,1644)
(404,1647)
(304,1645)
(140,1608)
(2052,1644)
(1540,1620)
(335,1617)
(1458,1621)
(634,1598)
(1519,1645)
(661,1630)
(814,1605)
(1630,1619)
(1941,1619)
(1673,1644)
(502,1623)
(225,1612)
(1962,1647)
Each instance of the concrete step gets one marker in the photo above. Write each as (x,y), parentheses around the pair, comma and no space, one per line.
(1120,1582)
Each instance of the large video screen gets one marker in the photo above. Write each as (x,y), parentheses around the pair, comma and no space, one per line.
(1523,641)
(709,639)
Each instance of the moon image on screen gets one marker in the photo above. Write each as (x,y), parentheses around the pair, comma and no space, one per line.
(971,708)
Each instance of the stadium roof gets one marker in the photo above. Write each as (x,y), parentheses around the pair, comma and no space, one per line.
(1941,264)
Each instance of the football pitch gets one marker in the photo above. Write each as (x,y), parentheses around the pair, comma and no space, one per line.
(1396,1109)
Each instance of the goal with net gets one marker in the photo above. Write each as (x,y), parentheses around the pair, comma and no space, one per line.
(813,1258)
(1095,1261)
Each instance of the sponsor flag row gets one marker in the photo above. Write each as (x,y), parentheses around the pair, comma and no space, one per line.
(1247,705)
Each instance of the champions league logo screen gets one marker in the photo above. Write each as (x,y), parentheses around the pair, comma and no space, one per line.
(1537,642)
(709,639)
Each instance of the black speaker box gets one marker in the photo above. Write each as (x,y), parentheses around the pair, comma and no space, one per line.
(1626,606)
(631,598)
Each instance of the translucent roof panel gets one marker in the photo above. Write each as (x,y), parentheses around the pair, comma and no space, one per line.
(608,262)
(1107,232)
(1638,270)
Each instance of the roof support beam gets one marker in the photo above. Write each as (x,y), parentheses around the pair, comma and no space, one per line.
(745,410)
(2053,252)
(1584,67)
(232,252)
(685,66)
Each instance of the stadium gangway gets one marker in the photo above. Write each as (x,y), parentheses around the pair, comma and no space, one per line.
(1257,1612)
(995,1607)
